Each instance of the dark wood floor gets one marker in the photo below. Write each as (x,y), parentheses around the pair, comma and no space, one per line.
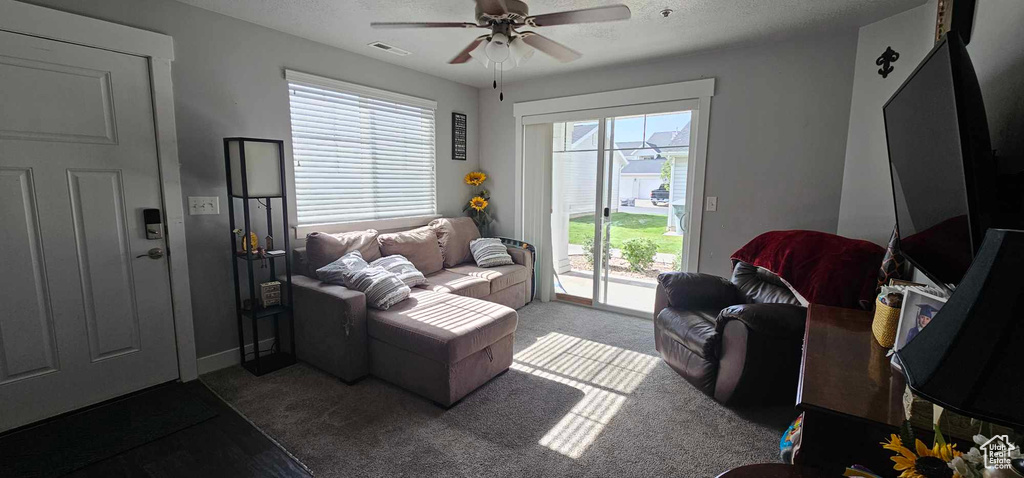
(223,446)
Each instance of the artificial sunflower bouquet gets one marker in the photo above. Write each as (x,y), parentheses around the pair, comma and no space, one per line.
(941,460)
(913,459)
(476,207)
(923,462)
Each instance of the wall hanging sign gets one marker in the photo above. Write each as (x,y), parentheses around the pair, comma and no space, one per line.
(956,15)
(458,136)
(889,56)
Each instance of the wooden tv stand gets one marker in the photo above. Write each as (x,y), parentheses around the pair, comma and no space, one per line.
(849,395)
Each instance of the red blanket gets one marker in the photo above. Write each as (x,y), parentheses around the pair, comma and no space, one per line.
(822,268)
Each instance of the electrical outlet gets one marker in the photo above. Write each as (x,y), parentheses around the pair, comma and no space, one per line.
(201,205)
(712,204)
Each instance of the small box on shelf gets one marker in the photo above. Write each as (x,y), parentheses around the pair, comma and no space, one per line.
(270,293)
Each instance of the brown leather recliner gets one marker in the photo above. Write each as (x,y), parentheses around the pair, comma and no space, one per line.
(738,341)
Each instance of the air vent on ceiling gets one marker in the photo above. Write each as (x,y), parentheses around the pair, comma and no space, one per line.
(388,48)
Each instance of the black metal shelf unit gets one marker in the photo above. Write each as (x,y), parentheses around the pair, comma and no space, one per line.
(258,361)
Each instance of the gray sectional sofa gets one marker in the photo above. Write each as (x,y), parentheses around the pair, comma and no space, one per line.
(454,332)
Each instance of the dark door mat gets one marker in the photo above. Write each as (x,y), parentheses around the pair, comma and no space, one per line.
(70,442)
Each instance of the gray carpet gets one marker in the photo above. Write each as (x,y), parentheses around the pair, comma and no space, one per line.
(587,395)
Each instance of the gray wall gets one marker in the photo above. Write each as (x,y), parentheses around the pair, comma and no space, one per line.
(998,58)
(866,211)
(777,137)
(228,81)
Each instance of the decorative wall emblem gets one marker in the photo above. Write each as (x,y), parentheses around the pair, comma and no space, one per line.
(885,61)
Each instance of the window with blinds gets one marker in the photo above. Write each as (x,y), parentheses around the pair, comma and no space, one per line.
(360,154)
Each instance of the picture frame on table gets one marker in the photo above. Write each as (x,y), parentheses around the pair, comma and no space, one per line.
(919,308)
(905,283)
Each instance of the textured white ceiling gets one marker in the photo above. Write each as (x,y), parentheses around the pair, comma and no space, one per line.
(696,25)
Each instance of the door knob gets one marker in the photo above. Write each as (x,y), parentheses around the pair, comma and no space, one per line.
(154,253)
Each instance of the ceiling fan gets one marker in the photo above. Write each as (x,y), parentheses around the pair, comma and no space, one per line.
(505,43)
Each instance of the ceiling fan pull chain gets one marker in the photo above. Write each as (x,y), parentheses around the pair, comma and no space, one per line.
(494,81)
(501,93)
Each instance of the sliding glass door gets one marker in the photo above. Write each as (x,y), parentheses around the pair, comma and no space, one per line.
(619,206)
(574,199)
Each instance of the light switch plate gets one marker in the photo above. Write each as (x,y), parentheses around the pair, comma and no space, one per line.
(712,204)
(201,205)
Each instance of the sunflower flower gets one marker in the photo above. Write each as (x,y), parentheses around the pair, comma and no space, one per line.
(475,178)
(478,203)
(925,463)
(894,443)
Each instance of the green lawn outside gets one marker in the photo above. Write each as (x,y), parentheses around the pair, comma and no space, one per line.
(626,226)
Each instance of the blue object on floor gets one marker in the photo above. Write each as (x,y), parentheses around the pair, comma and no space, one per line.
(790,441)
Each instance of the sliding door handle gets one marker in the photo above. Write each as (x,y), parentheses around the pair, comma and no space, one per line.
(154,253)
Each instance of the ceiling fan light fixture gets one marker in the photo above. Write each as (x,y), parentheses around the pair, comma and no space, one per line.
(480,54)
(504,47)
(497,48)
(519,51)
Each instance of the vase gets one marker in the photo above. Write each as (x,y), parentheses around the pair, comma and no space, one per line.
(485,230)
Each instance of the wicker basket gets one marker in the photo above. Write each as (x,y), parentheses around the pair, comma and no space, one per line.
(885,323)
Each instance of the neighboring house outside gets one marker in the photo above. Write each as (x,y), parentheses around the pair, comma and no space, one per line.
(677,188)
(641,176)
(633,150)
(636,171)
(675,146)
(574,172)
(643,173)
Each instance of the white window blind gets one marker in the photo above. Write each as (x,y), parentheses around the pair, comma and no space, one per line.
(360,154)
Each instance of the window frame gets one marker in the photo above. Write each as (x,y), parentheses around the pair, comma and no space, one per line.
(292,76)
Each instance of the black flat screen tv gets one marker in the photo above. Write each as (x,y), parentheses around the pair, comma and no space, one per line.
(940,157)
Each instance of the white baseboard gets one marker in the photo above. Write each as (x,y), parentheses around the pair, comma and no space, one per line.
(227,358)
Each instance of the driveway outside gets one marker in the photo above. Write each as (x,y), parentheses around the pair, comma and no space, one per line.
(644,206)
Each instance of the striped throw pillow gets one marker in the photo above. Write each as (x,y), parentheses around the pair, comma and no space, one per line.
(382,288)
(489,252)
(401,267)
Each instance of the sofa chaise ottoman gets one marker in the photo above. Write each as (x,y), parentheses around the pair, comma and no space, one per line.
(441,346)
(453,334)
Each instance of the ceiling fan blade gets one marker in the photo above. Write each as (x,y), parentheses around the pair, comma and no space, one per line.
(550,47)
(393,25)
(494,8)
(463,55)
(586,15)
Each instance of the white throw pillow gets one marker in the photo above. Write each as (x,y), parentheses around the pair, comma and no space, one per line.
(490,252)
(401,267)
(382,288)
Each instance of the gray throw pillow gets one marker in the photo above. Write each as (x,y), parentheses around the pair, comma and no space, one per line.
(418,245)
(454,235)
(323,248)
(382,288)
(490,252)
(401,267)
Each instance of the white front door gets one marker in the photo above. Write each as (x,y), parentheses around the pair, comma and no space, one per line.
(83,318)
